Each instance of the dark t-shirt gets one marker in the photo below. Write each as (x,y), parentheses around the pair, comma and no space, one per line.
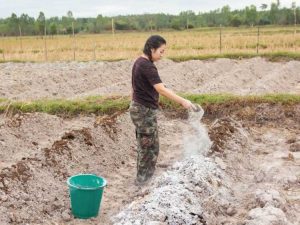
(144,76)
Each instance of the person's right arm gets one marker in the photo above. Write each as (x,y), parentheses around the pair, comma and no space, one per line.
(161,89)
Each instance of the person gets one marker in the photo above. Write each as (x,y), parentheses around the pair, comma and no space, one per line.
(146,88)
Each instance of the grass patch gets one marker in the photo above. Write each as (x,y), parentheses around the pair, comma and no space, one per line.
(254,46)
(111,60)
(96,105)
(3,100)
(274,57)
(16,61)
(224,98)
(208,99)
(281,98)
(25,61)
(202,99)
(107,105)
(282,56)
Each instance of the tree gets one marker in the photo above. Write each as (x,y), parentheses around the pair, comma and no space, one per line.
(99,26)
(13,25)
(251,15)
(41,22)
(263,7)
(263,16)
(268,14)
(274,12)
(187,19)
(70,14)
(67,22)
(225,15)
(235,20)
(176,24)
(294,7)
(121,24)
(162,21)
(27,24)
(53,29)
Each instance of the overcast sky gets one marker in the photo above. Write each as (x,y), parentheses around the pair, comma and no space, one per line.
(91,8)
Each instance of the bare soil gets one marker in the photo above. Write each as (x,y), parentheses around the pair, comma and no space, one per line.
(250,175)
(27,81)
(251,166)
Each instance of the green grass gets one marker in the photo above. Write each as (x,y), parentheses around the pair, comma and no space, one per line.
(202,99)
(112,60)
(3,100)
(106,105)
(26,61)
(97,105)
(207,99)
(281,98)
(15,61)
(275,56)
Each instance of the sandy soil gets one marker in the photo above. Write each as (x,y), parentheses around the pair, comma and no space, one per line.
(250,173)
(61,80)
(250,176)
(36,162)
(245,170)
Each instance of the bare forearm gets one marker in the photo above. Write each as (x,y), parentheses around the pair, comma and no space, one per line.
(161,89)
(171,95)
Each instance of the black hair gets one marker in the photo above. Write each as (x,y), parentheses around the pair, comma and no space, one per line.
(153,42)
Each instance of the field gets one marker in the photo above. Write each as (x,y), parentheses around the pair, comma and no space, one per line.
(181,44)
(238,165)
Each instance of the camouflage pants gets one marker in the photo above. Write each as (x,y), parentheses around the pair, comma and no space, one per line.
(145,123)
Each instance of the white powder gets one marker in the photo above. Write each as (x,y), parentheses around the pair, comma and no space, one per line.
(196,140)
(176,196)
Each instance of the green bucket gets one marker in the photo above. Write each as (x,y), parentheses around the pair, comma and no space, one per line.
(86,193)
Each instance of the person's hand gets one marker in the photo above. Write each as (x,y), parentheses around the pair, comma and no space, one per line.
(187,104)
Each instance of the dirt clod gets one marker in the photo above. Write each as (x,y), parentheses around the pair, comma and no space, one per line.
(250,176)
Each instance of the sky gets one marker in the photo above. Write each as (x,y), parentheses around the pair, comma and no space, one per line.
(92,8)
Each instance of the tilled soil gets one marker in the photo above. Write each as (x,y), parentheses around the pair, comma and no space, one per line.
(27,81)
(36,163)
(250,175)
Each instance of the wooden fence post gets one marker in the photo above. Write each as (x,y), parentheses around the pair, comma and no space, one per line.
(113,27)
(95,51)
(45,43)
(20,33)
(220,38)
(74,42)
(3,55)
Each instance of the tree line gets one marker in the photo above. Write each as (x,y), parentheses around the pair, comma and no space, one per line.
(272,14)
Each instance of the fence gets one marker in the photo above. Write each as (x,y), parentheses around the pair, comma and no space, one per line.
(117,45)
